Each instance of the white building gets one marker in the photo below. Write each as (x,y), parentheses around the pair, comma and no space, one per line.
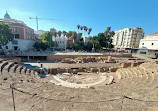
(149,42)
(21,44)
(61,40)
(128,38)
(85,40)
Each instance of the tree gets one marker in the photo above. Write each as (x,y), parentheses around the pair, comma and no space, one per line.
(111,34)
(81,27)
(79,45)
(5,34)
(78,26)
(107,31)
(59,33)
(40,45)
(54,34)
(74,36)
(64,32)
(89,31)
(79,36)
(47,38)
(85,29)
(69,34)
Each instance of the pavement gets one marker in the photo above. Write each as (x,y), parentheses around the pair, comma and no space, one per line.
(66,65)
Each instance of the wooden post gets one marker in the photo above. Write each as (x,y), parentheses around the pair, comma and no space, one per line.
(13,97)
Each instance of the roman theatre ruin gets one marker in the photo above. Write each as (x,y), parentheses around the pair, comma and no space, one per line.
(107,82)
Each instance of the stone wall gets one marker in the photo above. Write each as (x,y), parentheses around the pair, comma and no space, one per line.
(61,57)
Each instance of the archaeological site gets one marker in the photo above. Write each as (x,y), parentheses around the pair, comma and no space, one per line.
(107,82)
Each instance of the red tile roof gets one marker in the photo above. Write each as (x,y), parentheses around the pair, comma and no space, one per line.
(156,33)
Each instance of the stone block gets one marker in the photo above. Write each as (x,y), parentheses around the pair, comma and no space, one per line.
(67,60)
(81,70)
(113,69)
(125,65)
(74,71)
(53,70)
(94,70)
(134,64)
(101,70)
(61,70)
(106,69)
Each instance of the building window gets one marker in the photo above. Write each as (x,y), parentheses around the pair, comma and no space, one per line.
(6,47)
(142,43)
(16,36)
(16,30)
(152,43)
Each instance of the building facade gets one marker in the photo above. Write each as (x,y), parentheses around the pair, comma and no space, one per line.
(61,41)
(22,34)
(150,42)
(128,38)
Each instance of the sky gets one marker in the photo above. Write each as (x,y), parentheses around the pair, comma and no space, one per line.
(95,14)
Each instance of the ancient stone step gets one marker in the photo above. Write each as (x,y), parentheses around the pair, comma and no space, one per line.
(13,69)
(2,65)
(7,67)
(120,74)
(18,69)
(28,71)
(23,70)
(155,80)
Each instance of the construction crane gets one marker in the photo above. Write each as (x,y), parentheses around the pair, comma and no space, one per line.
(43,19)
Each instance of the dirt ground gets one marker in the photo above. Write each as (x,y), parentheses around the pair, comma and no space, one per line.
(33,94)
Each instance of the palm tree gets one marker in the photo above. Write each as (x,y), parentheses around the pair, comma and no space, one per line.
(59,33)
(111,34)
(79,36)
(69,35)
(55,35)
(89,31)
(78,26)
(107,31)
(81,27)
(85,29)
(64,32)
(74,36)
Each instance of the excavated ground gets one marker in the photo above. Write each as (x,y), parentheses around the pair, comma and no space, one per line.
(135,90)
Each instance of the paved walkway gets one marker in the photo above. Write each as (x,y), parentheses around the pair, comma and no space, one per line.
(80,65)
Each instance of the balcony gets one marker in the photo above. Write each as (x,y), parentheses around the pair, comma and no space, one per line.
(15,42)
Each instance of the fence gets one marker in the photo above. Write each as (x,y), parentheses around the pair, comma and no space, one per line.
(121,99)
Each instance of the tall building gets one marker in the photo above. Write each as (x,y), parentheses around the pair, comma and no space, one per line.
(127,38)
(19,29)
(23,35)
(150,42)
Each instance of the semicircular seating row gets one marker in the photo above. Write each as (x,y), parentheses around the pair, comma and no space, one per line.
(138,82)
(9,68)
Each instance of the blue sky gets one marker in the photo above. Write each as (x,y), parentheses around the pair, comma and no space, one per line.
(97,14)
